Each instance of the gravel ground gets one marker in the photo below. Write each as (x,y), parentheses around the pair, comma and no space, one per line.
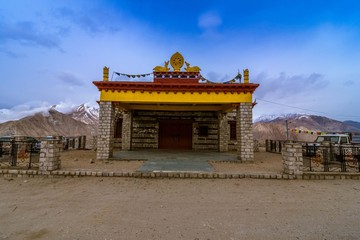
(195,209)
(130,208)
(263,162)
(86,160)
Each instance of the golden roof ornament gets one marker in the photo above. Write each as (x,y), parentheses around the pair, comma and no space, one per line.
(164,68)
(177,61)
(246,76)
(105,74)
(191,69)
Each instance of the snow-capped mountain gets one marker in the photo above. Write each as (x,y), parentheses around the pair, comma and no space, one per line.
(274,126)
(265,118)
(55,120)
(53,123)
(269,118)
(85,114)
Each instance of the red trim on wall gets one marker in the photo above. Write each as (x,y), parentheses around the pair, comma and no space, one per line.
(176,87)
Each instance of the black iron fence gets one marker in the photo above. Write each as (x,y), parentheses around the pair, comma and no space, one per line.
(330,158)
(19,154)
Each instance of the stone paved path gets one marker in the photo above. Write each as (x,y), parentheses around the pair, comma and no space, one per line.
(169,160)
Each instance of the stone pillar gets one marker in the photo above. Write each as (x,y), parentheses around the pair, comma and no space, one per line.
(105,138)
(244,132)
(292,158)
(50,155)
(223,132)
(126,131)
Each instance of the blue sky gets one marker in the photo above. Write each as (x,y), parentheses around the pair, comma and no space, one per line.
(305,54)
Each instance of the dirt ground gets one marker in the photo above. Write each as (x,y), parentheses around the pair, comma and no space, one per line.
(263,162)
(195,209)
(131,208)
(86,159)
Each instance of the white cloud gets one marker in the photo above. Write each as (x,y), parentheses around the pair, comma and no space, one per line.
(23,110)
(71,78)
(31,108)
(209,20)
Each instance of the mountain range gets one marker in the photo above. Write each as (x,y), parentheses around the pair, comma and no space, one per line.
(274,127)
(83,120)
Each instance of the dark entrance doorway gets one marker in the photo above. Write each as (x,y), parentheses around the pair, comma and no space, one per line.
(175,134)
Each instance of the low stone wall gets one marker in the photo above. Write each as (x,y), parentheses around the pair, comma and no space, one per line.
(193,175)
(13,173)
(50,166)
(330,176)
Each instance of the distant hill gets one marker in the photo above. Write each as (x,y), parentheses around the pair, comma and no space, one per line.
(75,123)
(273,127)
(353,123)
(83,120)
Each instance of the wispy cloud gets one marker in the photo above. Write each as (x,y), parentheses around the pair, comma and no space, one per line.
(32,108)
(349,83)
(209,23)
(89,20)
(9,53)
(23,110)
(286,85)
(209,20)
(28,33)
(70,78)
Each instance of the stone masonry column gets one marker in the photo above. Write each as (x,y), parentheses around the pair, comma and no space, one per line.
(223,132)
(50,154)
(244,132)
(292,159)
(126,131)
(105,138)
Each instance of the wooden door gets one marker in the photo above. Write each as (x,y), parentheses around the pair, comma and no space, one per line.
(175,134)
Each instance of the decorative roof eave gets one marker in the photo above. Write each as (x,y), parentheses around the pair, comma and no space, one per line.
(162,87)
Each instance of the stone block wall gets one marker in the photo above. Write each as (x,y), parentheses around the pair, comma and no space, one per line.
(145,128)
(141,130)
(211,121)
(232,146)
(244,132)
(105,137)
(292,158)
(50,155)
